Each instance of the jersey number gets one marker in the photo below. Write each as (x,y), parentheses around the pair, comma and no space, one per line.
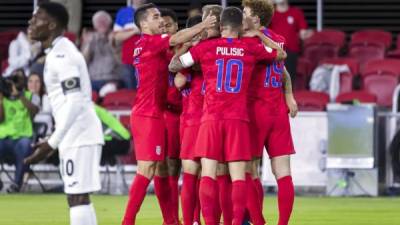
(137,77)
(226,83)
(69,167)
(272,81)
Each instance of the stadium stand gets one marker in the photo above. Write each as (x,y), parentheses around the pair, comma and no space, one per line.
(371,36)
(361,96)
(119,100)
(311,101)
(303,73)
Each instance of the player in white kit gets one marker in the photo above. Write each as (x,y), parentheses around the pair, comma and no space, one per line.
(78,135)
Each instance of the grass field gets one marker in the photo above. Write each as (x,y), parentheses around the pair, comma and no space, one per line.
(52,210)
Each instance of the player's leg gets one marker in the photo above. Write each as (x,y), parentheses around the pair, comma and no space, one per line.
(80,170)
(137,192)
(174,171)
(208,191)
(281,170)
(225,192)
(163,192)
(237,172)
(253,197)
(255,173)
(189,194)
(280,147)
(81,209)
(149,136)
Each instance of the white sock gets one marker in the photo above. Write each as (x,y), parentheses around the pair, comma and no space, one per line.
(82,215)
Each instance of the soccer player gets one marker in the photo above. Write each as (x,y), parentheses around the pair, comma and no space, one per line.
(148,127)
(227,64)
(171,117)
(78,132)
(270,97)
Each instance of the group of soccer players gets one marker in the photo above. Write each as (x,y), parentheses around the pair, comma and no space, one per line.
(232,98)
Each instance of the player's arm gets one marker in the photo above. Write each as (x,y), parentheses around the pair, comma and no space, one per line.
(187,34)
(281,54)
(289,97)
(176,64)
(69,77)
(180,80)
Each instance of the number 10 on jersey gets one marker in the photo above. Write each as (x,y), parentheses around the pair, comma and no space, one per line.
(224,80)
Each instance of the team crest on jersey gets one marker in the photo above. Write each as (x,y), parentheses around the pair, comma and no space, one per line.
(158,150)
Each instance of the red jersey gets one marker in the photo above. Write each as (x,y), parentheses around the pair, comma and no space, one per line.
(289,24)
(227,65)
(174,97)
(151,65)
(127,49)
(192,97)
(266,83)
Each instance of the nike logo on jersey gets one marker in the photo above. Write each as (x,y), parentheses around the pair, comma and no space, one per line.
(73,184)
(60,56)
(230,51)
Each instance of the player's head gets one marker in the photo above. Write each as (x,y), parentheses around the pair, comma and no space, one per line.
(213,10)
(102,21)
(257,13)
(49,20)
(232,19)
(190,22)
(148,19)
(170,21)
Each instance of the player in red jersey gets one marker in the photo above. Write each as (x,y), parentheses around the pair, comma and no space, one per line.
(171,118)
(270,97)
(147,122)
(227,64)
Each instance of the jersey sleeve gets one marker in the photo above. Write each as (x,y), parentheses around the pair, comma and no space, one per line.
(161,42)
(264,53)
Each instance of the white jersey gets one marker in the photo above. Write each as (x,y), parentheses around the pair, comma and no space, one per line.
(68,86)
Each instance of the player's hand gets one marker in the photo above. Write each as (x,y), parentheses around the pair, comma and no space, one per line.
(292,105)
(41,151)
(180,80)
(209,22)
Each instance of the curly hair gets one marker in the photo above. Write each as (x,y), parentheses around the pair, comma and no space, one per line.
(264,9)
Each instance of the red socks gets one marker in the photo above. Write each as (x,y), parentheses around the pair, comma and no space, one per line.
(260,191)
(162,190)
(196,217)
(136,197)
(225,198)
(239,198)
(253,202)
(208,194)
(189,198)
(285,199)
(173,185)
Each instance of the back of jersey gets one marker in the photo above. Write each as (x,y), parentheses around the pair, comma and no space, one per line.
(227,65)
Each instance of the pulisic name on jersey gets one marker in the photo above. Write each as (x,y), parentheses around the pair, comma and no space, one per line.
(230,51)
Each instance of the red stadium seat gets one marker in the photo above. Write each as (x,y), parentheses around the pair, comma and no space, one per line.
(71,36)
(316,52)
(330,36)
(382,66)
(95,97)
(366,51)
(382,85)
(395,53)
(380,36)
(361,96)
(119,100)
(303,74)
(311,101)
(346,79)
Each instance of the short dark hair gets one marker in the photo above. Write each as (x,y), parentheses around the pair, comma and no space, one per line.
(190,22)
(141,12)
(169,12)
(232,17)
(58,12)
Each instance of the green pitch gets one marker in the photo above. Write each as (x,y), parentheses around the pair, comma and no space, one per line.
(52,210)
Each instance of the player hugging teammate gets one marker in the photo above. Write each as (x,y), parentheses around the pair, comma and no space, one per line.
(236,95)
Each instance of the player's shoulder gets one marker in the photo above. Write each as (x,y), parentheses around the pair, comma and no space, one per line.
(65,51)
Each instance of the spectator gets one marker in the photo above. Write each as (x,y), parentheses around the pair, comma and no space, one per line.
(124,26)
(289,22)
(19,54)
(102,63)
(36,86)
(17,108)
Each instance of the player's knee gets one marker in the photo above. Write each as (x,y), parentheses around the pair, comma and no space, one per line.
(174,167)
(280,171)
(78,199)
(190,167)
(147,168)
